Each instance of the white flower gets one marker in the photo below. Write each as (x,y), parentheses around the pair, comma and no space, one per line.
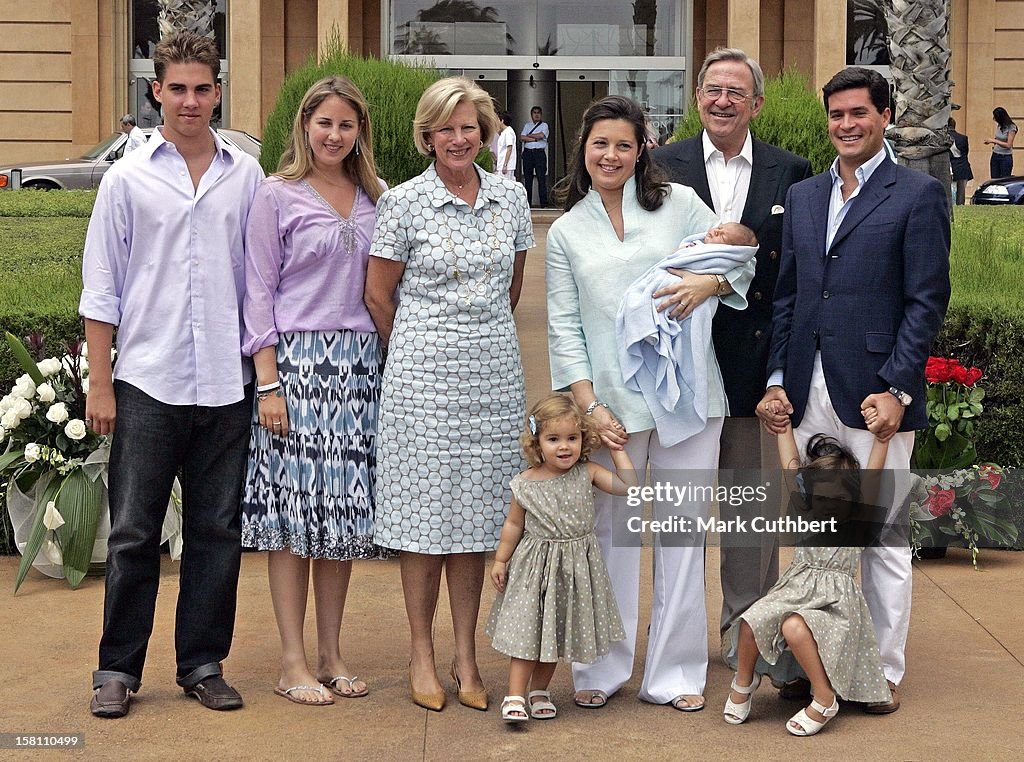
(83,366)
(52,552)
(85,385)
(49,366)
(57,413)
(21,408)
(3,433)
(5,403)
(46,393)
(32,452)
(85,349)
(52,518)
(24,387)
(76,429)
(10,420)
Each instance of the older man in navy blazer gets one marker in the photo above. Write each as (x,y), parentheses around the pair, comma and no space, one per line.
(862,292)
(744,180)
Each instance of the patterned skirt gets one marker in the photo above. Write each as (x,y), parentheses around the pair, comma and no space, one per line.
(313,490)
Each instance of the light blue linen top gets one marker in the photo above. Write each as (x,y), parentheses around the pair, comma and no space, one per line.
(588,270)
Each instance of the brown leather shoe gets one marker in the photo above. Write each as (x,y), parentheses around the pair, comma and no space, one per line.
(886,707)
(111,700)
(214,693)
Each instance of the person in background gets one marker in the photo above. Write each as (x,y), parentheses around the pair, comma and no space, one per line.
(535,134)
(959,162)
(1001,164)
(505,148)
(136,138)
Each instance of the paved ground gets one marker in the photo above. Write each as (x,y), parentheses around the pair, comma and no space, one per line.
(965,661)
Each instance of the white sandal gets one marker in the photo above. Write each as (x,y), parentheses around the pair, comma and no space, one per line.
(736,714)
(542,710)
(513,709)
(805,726)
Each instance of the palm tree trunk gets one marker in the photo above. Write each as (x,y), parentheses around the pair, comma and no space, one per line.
(919,61)
(186,16)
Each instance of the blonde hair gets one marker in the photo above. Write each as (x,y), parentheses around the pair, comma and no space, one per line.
(438,103)
(552,408)
(297,160)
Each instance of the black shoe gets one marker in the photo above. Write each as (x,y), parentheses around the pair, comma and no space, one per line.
(111,700)
(213,692)
(797,689)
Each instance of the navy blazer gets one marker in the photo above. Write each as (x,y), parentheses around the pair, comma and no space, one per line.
(742,337)
(874,303)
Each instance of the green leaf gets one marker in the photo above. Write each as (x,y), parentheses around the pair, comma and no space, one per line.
(953,412)
(977,394)
(79,504)
(38,532)
(942,432)
(24,358)
(9,458)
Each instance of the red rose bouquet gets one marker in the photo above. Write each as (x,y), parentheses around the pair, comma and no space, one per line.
(953,402)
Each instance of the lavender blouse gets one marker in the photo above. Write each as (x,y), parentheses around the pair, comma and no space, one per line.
(305,265)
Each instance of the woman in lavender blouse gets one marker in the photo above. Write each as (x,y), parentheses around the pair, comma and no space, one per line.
(309,490)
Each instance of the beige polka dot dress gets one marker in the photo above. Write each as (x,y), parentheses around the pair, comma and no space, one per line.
(820,585)
(558,601)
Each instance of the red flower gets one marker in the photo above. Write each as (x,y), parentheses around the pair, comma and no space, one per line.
(973,376)
(938,370)
(990,474)
(939,501)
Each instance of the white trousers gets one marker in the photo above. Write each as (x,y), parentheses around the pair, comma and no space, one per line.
(677,648)
(886,573)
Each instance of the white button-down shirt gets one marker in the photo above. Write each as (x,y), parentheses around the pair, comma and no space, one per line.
(837,208)
(728,181)
(164,263)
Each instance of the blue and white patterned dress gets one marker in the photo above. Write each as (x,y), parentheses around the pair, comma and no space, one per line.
(452,396)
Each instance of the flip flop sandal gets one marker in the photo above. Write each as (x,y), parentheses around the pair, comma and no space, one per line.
(332,686)
(544,709)
(287,693)
(593,695)
(677,704)
(513,709)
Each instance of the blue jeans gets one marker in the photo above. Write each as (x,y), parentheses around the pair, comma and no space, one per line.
(152,442)
(535,160)
(1001,165)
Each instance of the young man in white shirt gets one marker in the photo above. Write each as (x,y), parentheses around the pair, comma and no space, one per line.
(163,263)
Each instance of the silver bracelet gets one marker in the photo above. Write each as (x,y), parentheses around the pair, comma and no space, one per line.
(595,405)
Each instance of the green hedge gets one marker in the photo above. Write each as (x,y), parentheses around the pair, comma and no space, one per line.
(793,117)
(391,90)
(76,203)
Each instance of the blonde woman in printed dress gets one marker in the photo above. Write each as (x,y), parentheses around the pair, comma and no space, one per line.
(452,243)
(308,496)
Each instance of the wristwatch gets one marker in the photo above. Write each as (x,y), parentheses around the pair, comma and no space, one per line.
(722,285)
(904,398)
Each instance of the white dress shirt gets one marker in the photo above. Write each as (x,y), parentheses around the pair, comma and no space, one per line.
(136,139)
(164,263)
(729,180)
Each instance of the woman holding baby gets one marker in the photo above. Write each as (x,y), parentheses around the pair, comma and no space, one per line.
(621,217)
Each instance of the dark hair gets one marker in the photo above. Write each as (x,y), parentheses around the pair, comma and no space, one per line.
(128,119)
(824,457)
(1002,117)
(186,47)
(856,77)
(506,118)
(651,182)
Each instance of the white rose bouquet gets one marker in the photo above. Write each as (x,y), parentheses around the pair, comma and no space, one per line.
(46,448)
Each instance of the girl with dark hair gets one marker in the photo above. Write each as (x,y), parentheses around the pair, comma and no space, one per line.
(1001,164)
(621,218)
(815,620)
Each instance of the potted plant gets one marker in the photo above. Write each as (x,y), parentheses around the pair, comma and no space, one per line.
(953,497)
(53,466)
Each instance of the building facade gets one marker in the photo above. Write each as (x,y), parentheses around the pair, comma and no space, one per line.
(70,68)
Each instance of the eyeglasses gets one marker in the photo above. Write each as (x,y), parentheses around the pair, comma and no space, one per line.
(714,93)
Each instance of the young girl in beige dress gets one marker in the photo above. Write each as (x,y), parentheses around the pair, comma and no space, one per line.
(554,597)
(816,612)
